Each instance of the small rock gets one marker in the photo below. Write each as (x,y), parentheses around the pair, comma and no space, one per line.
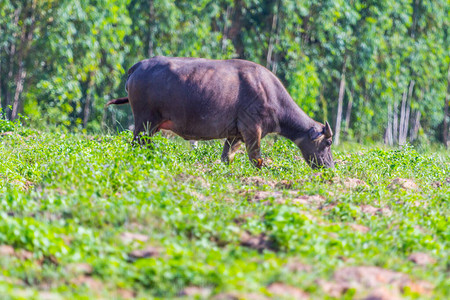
(129,237)
(421,259)
(406,184)
(144,253)
(284,290)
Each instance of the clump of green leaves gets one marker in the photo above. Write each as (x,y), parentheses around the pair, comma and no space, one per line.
(8,125)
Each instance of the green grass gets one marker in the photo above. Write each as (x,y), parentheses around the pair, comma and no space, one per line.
(68,199)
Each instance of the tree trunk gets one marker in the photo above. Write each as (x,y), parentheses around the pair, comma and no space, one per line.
(446,107)
(277,39)
(340,102)
(235,31)
(25,43)
(415,128)
(151,35)
(20,78)
(0,83)
(12,56)
(87,104)
(404,114)
(402,117)
(225,28)
(388,136)
(395,123)
(273,30)
(348,113)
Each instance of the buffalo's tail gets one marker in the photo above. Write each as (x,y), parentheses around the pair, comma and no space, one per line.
(118,101)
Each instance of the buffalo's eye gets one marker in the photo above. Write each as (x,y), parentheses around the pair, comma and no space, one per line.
(328,142)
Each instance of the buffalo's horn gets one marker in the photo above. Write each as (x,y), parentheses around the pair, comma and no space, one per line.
(328,132)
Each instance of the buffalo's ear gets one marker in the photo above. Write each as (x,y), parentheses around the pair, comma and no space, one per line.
(327,131)
(313,134)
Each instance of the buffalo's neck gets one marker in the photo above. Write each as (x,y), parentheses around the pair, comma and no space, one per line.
(295,124)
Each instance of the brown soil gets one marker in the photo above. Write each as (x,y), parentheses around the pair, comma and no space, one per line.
(402,183)
(278,289)
(421,259)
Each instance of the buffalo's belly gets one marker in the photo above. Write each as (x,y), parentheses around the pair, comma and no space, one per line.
(201,130)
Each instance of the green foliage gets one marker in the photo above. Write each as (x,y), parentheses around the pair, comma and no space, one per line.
(7,125)
(74,55)
(69,199)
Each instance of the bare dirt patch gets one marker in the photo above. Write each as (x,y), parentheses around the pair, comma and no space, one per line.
(369,278)
(144,253)
(287,291)
(22,254)
(239,296)
(242,219)
(192,180)
(126,294)
(92,283)
(258,181)
(350,183)
(285,197)
(79,268)
(359,228)
(421,258)
(130,237)
(6,133)
(403,183)
(371,210)
(383,294)
(259,242)
(6,250)
(196,292)
(296,266)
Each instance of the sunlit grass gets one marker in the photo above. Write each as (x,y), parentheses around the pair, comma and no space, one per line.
(68,198)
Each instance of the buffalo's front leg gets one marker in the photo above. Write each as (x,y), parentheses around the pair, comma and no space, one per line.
(229,149)
(252,139)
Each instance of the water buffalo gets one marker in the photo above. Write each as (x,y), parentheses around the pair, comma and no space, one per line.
(238,100)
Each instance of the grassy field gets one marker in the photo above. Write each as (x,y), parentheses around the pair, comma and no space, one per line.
(92,217)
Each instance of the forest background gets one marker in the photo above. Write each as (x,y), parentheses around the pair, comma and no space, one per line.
(378,70)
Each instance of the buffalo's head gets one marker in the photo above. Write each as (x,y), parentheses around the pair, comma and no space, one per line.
(316,146)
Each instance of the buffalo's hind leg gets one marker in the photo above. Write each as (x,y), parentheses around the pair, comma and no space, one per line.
(144,130)
(252,140)
(229,149)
